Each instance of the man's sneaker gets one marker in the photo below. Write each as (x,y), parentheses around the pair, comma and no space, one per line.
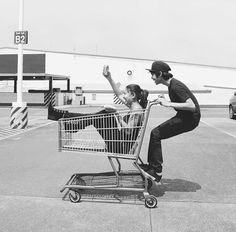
(153,174)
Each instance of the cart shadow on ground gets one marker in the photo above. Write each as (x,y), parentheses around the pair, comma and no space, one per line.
(174,185)
(126,196)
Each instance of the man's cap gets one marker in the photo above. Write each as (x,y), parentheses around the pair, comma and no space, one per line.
(158,66)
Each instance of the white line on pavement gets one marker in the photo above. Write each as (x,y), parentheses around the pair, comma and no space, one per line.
(7,133)
(222,131)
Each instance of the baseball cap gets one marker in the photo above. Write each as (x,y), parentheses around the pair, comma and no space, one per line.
(158,66)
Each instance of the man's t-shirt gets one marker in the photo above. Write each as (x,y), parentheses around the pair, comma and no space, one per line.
(179,92)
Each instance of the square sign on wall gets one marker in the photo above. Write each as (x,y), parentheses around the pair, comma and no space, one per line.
(21,37)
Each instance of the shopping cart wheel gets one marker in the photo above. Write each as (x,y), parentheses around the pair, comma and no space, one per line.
(74,196)
(150,201)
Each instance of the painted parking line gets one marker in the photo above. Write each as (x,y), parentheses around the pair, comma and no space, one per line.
(35,123)
(216,126)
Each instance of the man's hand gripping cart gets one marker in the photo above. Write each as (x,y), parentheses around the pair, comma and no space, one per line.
(103,135)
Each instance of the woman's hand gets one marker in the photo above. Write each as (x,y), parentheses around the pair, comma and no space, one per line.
(106,72)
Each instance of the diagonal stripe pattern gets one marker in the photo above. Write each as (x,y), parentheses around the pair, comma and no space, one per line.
(19,117)
(49,98)
(6,132)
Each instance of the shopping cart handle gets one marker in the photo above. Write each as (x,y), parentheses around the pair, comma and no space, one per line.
(154,102)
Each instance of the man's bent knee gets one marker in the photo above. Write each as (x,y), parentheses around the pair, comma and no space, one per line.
(155,134)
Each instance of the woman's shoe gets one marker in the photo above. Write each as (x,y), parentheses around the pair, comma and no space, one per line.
(55,114)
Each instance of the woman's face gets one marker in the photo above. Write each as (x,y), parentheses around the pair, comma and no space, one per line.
(129,96)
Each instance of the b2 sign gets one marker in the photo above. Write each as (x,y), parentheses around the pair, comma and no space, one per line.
(21,37)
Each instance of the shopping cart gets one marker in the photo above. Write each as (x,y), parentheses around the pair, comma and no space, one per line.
(101,134)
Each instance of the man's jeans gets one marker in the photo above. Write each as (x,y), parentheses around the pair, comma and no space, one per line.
(174,126)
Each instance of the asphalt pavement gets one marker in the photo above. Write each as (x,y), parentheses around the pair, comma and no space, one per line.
(198,190)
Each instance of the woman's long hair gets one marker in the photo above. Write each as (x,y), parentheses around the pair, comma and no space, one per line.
(141,94)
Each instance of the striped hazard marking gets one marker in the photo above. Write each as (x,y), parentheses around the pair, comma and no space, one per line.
(19,117)
(34,123)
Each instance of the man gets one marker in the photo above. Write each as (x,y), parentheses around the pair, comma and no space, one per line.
(186,119)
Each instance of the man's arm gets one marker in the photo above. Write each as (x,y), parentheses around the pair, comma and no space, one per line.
(188,105)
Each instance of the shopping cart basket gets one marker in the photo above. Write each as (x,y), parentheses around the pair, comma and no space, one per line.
(102,134)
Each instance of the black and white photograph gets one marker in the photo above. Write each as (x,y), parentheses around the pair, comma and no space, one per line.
(117,116)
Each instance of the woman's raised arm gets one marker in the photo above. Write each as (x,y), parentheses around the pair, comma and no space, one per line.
(106,73)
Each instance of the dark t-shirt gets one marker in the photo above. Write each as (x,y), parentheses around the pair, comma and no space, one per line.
(179,92)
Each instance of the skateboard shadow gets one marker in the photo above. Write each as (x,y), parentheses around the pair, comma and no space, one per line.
(174,185)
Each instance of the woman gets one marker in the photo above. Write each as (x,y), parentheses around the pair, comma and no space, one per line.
(117,131)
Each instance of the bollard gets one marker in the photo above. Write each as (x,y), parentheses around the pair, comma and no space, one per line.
(19,117)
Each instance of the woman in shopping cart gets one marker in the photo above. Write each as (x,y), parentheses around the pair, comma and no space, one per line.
(118,132)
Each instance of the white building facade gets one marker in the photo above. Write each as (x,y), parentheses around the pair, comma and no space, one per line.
(86,71)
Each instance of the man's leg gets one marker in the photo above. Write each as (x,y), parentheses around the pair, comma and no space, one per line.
(170,128)
(155,151)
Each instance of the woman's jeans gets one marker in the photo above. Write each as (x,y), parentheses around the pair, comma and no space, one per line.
(177,125)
